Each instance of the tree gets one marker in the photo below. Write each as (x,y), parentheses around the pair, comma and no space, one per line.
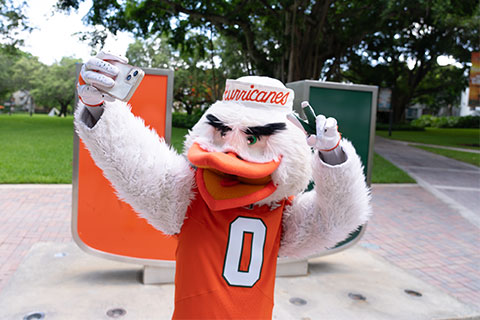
(286,39)
(8,57)
(383,42)
(154,52)
(194,87)
(403,55)
(441,87)
(55,85)
(26,71)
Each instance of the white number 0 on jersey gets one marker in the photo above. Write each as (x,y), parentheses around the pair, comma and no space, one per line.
(231,268)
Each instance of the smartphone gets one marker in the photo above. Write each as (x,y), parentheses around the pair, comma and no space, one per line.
(126,82)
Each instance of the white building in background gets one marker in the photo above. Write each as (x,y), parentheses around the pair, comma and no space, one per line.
(465,110)
(415,111)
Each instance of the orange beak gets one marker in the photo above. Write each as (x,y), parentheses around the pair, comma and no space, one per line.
(226,181)
(230,163)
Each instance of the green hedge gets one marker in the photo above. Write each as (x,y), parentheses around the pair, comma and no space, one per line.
(183,120)
(447,122)
(398,127)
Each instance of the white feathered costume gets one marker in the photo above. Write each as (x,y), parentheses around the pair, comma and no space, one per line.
(235,199)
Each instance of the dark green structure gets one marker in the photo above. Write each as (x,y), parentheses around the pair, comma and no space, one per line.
(354,107)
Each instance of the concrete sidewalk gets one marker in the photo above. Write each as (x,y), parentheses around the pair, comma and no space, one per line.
(453,182)
(349,285)
(437,146)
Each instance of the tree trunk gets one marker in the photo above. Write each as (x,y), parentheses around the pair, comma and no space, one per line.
(293,56)
(188,109)
(399,104)
(63,110)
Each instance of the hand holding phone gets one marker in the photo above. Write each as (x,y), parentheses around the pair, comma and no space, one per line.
(125,83)
(110,74)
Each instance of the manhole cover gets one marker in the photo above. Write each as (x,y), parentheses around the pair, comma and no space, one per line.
(413,293)
(357,296)
(298,301)
(116,313)
(34,316)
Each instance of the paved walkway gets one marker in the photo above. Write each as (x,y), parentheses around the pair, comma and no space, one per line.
(438,146)
(454,182)
(31,214)
(410,228)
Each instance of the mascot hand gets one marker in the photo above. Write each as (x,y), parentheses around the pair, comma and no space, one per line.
(322,133)
(97,71)
(327,137)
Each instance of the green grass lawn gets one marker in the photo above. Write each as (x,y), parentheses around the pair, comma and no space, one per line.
(383,171)
(35,149)
(178,135)
(469,157)
(39,149)
(460,138)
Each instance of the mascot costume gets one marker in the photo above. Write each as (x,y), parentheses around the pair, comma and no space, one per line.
(235,199)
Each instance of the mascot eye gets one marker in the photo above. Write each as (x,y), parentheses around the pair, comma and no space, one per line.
(252,140)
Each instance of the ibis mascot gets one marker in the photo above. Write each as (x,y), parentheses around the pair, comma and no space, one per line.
(235,199)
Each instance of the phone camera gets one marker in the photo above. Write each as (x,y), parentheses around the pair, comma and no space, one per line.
(135,73)
(129,77)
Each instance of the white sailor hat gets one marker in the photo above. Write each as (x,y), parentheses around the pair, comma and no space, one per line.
(259,92)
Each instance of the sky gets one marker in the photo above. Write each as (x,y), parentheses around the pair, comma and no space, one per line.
(53,36)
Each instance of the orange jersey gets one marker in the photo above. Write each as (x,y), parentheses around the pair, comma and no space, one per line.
(226,262)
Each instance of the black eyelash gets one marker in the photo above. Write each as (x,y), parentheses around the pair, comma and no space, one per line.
(217,124)
(266,130)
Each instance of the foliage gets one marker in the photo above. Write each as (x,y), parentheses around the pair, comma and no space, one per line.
(389,43)
(12,21)
(451,137)
(36,150)
(286,39)
(184,120)
(441,87)
(447,122)
(56,85)
(26,73)
(468,157)
(8,58)
(398,127)
(154,52)
(383,171)
(403,54)
(197,83)
(51,86)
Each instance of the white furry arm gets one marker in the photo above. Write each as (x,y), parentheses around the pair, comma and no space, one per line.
(146,173)
(339,203)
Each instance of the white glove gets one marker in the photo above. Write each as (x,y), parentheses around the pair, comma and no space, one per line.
(327,137)
(98,71)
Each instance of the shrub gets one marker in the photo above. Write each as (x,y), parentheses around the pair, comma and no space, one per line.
(469,122)
(398,127)
(184,120)
(447,122)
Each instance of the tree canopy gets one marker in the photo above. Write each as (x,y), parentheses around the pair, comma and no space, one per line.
(391,43)
(49,85)
(197,83)
(287,39)
(55,86)
(403,56)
